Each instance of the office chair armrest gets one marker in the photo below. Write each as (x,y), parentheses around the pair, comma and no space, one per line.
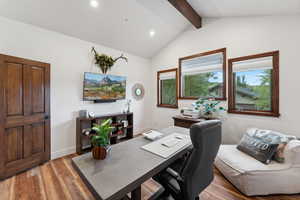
(174,174)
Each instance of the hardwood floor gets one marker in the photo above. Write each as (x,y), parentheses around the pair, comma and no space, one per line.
(57,180)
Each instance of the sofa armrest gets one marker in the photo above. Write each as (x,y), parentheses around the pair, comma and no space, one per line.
(292,153)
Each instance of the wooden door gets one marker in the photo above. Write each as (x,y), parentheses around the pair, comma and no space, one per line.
(24,114)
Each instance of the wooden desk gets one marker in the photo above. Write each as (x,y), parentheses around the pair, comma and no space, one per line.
(125,169)
(185,122)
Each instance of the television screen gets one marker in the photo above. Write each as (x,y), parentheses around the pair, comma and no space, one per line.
(103,87)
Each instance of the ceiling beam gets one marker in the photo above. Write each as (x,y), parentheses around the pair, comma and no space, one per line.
(188,12)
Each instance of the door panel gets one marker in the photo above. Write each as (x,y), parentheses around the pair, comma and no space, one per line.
(25,126)
(27,140)
(38,138)
(38,89)
(14,89)
(14,142)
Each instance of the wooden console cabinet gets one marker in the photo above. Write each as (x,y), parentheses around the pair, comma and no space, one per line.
(82,123)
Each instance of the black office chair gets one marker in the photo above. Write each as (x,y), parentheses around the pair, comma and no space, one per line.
(197,169)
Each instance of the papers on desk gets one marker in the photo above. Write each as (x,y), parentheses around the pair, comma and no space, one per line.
(169,145)
(152,135)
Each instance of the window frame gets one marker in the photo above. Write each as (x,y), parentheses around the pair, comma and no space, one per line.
(223,51)
(274,112)
(159,88)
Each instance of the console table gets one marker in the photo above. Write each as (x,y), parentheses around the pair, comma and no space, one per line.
(185,122)
(120,134)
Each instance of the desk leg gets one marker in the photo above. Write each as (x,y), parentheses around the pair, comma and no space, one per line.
(136,194)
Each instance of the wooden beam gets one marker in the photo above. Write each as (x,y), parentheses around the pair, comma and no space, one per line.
(188,12)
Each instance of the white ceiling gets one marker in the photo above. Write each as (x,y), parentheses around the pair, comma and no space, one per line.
(107,24)
(245,8)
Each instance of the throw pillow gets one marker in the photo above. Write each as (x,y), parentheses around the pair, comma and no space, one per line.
(259,148)
(275,138)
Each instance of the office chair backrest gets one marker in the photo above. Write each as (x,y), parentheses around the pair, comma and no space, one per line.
(198,173)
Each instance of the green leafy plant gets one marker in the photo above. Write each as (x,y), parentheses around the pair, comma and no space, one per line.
(101,138)
(208,106)
(106,62)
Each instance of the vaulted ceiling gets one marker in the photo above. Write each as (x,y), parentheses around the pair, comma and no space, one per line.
(126,24)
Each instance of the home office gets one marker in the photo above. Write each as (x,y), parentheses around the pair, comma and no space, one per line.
(177,99)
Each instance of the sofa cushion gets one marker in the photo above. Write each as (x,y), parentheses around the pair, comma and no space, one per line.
(244,163)
(253,178)
(292,153)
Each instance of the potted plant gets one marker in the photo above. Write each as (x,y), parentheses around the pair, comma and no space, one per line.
(101,139)
(208,107)
(105,62)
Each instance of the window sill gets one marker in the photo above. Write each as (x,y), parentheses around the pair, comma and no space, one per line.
(258,113)
(195,98)
(167,106)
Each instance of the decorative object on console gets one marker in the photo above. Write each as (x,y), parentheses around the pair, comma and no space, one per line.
(91,114)
(83,113)
(105,62)
(138,91)
(127,106)
(125,123)
(100,140)
(208,107)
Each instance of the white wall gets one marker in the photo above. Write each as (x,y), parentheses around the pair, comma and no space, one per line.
(70,58)
(241,36)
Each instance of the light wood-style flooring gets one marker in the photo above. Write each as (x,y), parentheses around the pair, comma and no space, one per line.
(57,180)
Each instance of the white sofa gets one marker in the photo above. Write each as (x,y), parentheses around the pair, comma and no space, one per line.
(255,178)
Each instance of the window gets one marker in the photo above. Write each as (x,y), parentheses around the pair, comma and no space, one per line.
(254,84)
(167,88)
(203,75)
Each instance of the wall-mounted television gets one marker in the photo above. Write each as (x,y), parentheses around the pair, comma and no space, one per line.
(103,87)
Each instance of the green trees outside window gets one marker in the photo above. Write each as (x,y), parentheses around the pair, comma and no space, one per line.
(203,85)
(168,92)
(253,90)
(203,75)
(167,88)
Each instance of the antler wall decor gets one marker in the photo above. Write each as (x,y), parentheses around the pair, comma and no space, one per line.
(106,62)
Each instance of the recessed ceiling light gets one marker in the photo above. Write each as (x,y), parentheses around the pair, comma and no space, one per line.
(152,33)
(94,3)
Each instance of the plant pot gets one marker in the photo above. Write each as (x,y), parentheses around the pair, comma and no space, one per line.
(99,153)
(209,116)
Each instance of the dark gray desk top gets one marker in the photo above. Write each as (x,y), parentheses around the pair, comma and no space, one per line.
(125,169)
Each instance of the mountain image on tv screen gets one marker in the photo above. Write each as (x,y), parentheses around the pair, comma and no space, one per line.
(103,87)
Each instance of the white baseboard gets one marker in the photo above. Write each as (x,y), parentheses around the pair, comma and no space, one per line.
(61,153)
